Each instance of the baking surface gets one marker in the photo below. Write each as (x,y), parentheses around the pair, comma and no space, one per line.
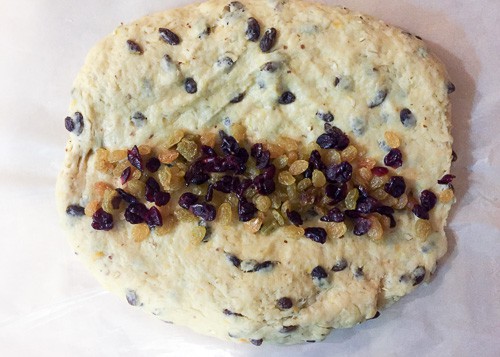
(50,305)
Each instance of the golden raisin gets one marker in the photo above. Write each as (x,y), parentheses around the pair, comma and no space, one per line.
(253,225)
(294,231)
(298,167)
(184,215)
(168,156)
(168,225)
(304,184)
(225,214)
(286,178)
(423,229)
(376,230)
(164,176)
(318,178)
(332,157)
(174,139)
(198,233)
(367,162)
(118,170)
(365,173)
(140,232)
(101,161)
(287,144)
(136,174)
(379,194)
(238,131)
(188,149)
(351,199)
(92,207)
(280,162)
(392,139)
(278,217)
(144,150)
(291,192)
(402,201)
(136,188)
(292,157)
(274,149)
(100,188)
(446,196)
(107,201)
(336,230)
(263,203)
(285,207)
(117,155)
(208,139)
(349,153)
(377,182)
(275,199)
(390,201)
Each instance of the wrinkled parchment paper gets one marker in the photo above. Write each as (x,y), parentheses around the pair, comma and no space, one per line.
(51,306)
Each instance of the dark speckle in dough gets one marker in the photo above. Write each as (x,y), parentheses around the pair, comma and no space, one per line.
(287,329)
(134,47)
(378,98)
(256,342)
(132,298)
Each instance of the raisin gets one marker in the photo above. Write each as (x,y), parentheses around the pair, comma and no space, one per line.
(230,313)
(234,260)
(294,217)
(334,138)
(132,298)
(286,98)
(420,212)
(396,186)
(316,234)
(75,210)
(446,179)
(205,211)
(319,273)
(102,220)
(361,226)
(287,329)
(153,164)
(428,199)
(394,158)
(284,303)
(407,118)
(380,171)
(136,213)
(246,210)
(253,30)
(134,47)
(190,85)
(268,40)
(340,173)
(333,215)
(418,275)
(153,218)
(169,37)
(340,265)
(270,67)
(127,197)
(75,124)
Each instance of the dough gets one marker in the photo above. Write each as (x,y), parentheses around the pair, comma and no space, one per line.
(189,73)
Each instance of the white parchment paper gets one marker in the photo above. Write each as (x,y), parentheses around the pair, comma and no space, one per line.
(51,306)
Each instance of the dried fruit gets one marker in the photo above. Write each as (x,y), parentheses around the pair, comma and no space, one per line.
(326,117)
(75,210)
(153,164)
(336,230)
(423,229)
(294,217)
(140,232)
(102,221)
(190,85)
(187,199)
(333,215)
(205,211)
(378,99)
(286,98)
(263,203)
(169,36)
(284,303)
(446,196)
(268,40)
(75,124)
(396,186)
(420,212)
(317,234)
(298,167)
(134,157)
(394,158)
(246,210)
(340,173)
(407,118)
(380,171)
(376,231)
(319,273)
(286,178)
(361,226)
(392,139)
(428,199)
(349,154)
(198,233)
(318,179)
(253,30)
(253,225)
(278,217)
(446,179)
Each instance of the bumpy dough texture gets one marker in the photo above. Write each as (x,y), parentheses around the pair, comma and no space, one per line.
(192,285)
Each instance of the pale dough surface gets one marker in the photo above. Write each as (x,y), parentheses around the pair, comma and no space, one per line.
(193,285)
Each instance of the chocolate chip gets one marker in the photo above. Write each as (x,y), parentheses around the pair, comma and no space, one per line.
(340,265)
(287,329)
(286,98)
(256,342)
(102,220)
(134,47)
(407,118)
(316,234)
(326,117)
(169,37)
(132,298)
(190,85)
(268,40)
(238,98)
(319,273)
(75,210)
(378,99)
(284,303)
(253,30)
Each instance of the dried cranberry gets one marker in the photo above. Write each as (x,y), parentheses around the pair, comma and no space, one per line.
(253,30)
(187,199)
(361,226)
(446,179)
(208,151)
(134,157)
(351,213)
(127,197)
(102,220)
(75,124)
(265,186)
(169,36)
(246,210)
(161,198)
(205,211)
(152,187)
(228,145)
(316,234)
(233,163)
(428,199)
(394,158)
(190,85)
(396,186)
(210,164)
(75,210)
(294,217)
(224,184)
(333,215)
(125,176)
(380,171)
(336,192)
(319,273)
(195,175)
(268,40)
(388,212)
(420,212)
(269,172)
(153,164)
(136,213)
(153,218)
(340,173)
(239,187)
(286,98)
(340,138)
